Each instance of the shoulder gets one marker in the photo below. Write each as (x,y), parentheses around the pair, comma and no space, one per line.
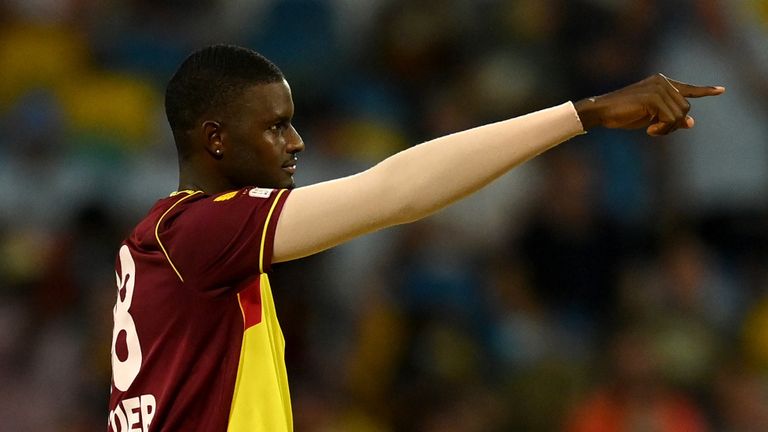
(201,235)
(144,231)
(205,212)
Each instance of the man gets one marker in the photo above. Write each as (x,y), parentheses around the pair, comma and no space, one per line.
(196,342)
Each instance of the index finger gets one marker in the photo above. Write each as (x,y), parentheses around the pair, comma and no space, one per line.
(694,91)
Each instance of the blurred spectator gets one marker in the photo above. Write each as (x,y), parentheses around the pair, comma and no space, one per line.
(572,250)
(635,395)
(741,398)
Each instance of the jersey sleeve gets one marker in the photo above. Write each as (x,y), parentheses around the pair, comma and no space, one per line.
(217,242)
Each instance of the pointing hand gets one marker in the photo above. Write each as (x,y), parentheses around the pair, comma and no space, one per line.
(656,103)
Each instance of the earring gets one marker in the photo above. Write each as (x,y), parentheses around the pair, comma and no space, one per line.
(218,152)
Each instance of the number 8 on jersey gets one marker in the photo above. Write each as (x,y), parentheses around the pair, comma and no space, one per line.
(125,371)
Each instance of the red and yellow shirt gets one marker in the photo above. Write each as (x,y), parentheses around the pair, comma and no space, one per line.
(196,342)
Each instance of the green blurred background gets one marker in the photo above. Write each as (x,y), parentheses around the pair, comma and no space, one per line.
(617,283)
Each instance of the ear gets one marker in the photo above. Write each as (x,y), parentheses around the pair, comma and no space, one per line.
(212,138)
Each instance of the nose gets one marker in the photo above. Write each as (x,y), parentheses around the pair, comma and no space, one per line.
(294,143)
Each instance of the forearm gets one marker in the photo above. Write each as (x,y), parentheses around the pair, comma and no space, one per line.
(437,173)
(416,182)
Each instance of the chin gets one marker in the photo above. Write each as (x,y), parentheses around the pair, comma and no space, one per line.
(288,183)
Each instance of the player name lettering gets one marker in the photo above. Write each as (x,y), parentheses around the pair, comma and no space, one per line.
(133,414)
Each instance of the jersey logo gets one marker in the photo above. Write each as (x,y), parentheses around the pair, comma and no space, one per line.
(260,192)
(226,196)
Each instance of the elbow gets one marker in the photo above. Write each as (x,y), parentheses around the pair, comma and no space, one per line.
(399,202)
(408,206)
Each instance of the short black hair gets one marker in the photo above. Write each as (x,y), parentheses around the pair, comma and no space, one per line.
(210,79)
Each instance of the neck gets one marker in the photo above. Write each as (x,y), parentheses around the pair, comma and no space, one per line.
(192,178)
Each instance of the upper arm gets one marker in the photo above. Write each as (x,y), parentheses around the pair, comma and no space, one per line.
(323,215)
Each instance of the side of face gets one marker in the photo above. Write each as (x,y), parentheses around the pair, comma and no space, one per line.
(259,143)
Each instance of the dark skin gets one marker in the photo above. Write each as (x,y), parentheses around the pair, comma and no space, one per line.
(256,144)
(657,103)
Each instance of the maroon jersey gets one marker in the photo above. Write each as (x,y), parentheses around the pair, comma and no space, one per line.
(196,344)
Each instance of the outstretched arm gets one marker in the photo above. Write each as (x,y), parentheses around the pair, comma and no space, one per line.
(417,182)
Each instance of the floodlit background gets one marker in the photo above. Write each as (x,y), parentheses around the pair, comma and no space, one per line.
(617,283)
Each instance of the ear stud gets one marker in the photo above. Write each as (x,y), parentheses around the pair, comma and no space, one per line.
(218,151)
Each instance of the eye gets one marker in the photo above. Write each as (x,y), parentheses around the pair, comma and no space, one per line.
(277,127)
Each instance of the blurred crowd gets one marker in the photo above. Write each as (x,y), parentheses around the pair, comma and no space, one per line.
(616,283)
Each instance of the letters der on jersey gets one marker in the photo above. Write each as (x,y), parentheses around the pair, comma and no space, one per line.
(196,344)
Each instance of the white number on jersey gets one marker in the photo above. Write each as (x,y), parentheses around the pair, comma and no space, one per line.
(125,371)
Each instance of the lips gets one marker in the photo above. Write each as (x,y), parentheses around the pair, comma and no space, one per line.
(290,167)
